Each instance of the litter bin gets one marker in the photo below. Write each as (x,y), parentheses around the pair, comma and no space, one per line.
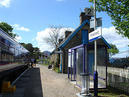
(85,85)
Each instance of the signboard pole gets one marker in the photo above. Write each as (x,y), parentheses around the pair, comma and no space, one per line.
(95,43)
(95,46)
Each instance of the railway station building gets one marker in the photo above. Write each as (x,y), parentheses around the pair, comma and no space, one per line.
(77,51)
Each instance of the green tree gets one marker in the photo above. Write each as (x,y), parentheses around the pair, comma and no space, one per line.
(28,46)
(34,51)
(54,36)
(113,50)
(23,44)
(118,10)
(7,28)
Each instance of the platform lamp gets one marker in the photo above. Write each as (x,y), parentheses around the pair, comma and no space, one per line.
(95,46)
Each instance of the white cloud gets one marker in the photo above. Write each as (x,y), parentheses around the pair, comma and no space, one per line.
(45,33)
(18,38)
(5,3)
(108,33)
(122,54)
(112,37)
(20,28)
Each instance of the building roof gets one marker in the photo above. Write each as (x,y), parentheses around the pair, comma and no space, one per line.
(73,34)
(66,41)
(101,41)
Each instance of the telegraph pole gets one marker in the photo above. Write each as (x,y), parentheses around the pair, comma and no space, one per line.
(95,56)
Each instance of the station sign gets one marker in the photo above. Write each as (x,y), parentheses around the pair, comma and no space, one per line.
(95,34)
(98,22)
(89,11)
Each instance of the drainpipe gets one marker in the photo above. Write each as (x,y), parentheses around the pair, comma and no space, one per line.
(74,64)
(61,67)
(71,65)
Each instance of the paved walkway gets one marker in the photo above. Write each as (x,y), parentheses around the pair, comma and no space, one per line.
(42,82)
(56,85)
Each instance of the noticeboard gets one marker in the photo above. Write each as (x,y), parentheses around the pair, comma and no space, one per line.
(98,22)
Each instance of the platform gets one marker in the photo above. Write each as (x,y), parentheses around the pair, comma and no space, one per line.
(28,85)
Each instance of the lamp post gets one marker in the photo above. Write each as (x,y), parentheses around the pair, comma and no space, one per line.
(95,47)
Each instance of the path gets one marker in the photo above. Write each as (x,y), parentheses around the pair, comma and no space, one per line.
(55,84)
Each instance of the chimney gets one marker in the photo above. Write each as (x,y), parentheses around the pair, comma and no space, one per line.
(67,33)
(60,40)
(83,17)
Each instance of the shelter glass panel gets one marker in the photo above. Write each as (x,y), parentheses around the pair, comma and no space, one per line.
(101,67)
(71,63)
(79,65)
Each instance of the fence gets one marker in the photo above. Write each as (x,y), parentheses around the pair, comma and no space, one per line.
(118,71)
(118,78)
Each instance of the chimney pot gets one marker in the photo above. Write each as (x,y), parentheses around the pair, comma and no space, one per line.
(84,17)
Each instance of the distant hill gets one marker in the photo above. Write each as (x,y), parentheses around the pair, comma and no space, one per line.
(47,53)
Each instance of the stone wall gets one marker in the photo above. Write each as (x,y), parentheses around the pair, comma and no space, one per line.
(116,77)
(53,58)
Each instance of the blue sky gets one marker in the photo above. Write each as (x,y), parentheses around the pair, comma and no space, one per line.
(30,18)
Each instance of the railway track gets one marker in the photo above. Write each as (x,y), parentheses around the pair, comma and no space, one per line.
(11,74)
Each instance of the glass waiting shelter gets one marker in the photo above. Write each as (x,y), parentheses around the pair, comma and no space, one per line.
(76,63)
(80,53)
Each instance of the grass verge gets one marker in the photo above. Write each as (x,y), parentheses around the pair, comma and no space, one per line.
(111,92)
(57,70)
